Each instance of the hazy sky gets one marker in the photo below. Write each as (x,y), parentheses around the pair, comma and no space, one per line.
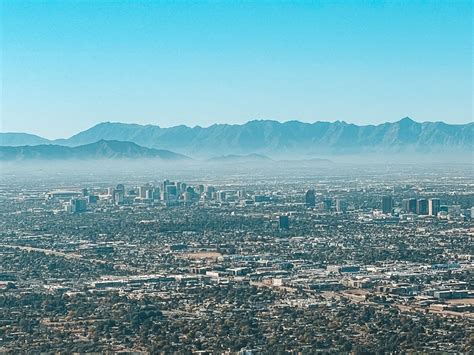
(67,65)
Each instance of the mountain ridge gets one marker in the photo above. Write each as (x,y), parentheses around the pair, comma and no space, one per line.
(102,149)
(274,138)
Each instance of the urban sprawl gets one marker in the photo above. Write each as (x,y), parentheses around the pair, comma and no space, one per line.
(347,263)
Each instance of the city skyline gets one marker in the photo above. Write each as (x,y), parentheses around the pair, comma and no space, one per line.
(69,65)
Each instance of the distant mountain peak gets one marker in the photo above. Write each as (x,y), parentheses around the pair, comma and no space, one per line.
(407,121)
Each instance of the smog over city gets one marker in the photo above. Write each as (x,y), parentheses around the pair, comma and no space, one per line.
(245,178)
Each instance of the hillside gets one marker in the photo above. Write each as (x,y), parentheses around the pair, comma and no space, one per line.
(99,150)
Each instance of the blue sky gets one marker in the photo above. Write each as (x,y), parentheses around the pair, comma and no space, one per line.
(67,65)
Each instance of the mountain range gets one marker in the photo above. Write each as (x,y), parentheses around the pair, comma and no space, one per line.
(101,149)
(275,139)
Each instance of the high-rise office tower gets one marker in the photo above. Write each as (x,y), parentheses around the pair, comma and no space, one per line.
(78,205)
(310,198)
(341,205)
(405,205)
(156,193)
(387,204)
(149,194)
(284,222)
(422,206)
(164,196)
(119,197)
(142,191)
(209,190)
(221,196)
(409,205)
(171,190)
(434,205)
